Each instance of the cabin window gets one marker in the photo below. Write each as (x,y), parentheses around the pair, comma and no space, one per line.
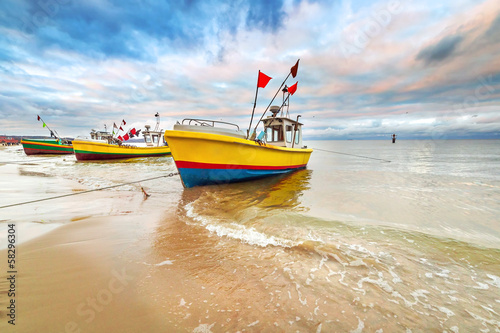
(148,139)
(297,135)
(155,138)
(274,133)
(289,133)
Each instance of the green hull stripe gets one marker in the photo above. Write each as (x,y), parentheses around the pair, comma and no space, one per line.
(35,146)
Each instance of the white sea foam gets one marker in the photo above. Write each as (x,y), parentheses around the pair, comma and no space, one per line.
(495,280)
(236,231)
(446,311)
(203,328)
(166,262)
(360,327)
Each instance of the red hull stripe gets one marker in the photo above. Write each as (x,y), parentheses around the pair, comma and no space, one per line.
(94,157)
(198,165)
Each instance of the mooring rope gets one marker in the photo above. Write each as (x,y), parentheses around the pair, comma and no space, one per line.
(82,192)
(336,152)
(22,162)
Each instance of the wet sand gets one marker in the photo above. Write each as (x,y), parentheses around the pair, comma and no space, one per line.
(82,277)
(122,274)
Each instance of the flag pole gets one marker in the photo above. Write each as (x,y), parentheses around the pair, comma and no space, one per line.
(292,70)
(254,105)
(279,89)
(56,135)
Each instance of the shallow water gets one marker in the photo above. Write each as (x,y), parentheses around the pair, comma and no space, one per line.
(348,244)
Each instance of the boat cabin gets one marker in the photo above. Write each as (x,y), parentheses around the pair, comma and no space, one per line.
(282,131)
(101,135)
(153,138)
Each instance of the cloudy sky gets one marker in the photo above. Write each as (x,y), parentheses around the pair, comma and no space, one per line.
(421,69)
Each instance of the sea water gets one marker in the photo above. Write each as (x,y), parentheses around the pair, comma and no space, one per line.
(371,237)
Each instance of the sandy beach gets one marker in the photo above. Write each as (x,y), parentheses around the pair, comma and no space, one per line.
(122,274)
(82,277)
(359,249)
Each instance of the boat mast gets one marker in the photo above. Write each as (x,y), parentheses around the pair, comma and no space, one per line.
(293,72)
(52,132)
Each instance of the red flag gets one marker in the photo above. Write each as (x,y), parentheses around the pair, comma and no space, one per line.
(132,131)
(38,117)
(114,125)
(124,123)
(263,80)
(125,137)
(120,137)
(121,128)
(294,69)
(293,88)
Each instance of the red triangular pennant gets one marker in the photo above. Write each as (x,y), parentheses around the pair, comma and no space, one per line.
(263,80)
(293,88)
(294,69)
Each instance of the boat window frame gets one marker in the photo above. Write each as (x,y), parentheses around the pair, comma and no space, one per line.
(274,133)
(289,133)
(297,135)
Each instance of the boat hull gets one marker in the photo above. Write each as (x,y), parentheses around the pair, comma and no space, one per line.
(206,159)
(93,151)
(45,146)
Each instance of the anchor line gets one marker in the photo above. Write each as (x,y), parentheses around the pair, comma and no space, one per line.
(336,152)
(82,192)
(25,162)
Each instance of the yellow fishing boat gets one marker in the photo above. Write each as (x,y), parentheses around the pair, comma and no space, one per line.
(104,146)
(213,152)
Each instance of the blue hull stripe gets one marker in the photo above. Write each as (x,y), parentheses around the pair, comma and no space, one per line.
(199,177)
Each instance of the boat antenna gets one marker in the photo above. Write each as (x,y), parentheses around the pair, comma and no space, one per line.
(157,116)
(293,72)
(284,90)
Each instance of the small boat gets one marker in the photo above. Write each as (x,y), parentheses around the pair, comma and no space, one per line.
(46,146)
(103,145)
(53,145)
(210,152)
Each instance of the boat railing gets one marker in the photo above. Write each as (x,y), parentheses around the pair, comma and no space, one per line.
(205,122)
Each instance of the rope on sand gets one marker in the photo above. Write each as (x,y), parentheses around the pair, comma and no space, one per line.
(25,162)
(82,192)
